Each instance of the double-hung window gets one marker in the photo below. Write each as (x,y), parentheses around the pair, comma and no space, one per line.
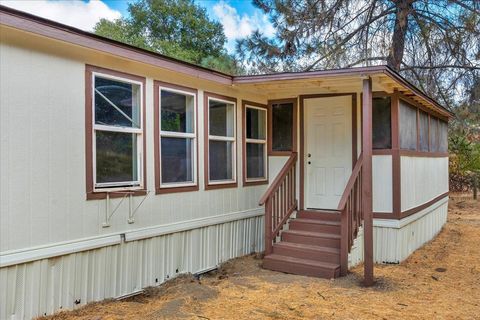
(177,142)
(255,143)
(116,141)
(221,141)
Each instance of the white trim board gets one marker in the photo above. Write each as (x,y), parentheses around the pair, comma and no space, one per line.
(9,258)
(398,224)
(191,224)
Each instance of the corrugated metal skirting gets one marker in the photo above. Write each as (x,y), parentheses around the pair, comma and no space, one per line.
(45,286)
(395,245)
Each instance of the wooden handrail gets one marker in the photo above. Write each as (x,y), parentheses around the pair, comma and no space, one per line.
(280,201)
(351,182)
(279,178)
(351,213)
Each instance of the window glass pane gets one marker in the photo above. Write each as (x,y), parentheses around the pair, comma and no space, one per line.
(408,126)
(443,136)
(255,160)
(117,103)
(221,160)
(176,112)
(177,160)
(255,123)
(282,127)
(423,131)
(381,117)
(433,134)
(116,154)
(222,117)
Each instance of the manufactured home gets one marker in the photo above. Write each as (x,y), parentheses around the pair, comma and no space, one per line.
(122,168)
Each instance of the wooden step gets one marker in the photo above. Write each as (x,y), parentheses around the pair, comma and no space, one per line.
(303,267)
(312,238)
(319,214)
(315,225)
(305,251)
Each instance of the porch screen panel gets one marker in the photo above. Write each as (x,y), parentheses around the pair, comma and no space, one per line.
(282,127)
(408,126)
(382,125)
(423,131)
(433,134)
(442,136)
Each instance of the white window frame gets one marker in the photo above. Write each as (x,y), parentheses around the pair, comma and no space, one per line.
(223,138)
(172,134)
(257,141)
(123,185)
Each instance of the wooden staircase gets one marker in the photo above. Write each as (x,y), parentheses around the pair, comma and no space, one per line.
(315,243)
(310,246)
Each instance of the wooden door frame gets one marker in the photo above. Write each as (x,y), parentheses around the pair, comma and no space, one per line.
(302,99)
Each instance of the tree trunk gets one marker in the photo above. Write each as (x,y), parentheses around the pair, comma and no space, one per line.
(395,56)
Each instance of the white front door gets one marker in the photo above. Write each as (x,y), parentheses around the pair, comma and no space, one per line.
(328,150)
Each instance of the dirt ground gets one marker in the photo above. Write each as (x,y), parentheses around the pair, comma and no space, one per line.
(439,281)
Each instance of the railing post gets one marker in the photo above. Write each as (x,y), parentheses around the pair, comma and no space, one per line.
(268,226)
(344,243)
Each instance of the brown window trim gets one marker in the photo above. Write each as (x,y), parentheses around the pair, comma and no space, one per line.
(156,139)
(208,185)
(271,152)
(98,195)
(244,144)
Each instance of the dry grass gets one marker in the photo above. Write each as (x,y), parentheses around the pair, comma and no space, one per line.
(439,281)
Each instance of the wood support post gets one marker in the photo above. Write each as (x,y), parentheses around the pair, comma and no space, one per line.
(367,181)
(396,174)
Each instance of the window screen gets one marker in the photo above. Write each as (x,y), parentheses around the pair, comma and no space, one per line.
(408,126)
(117,129)
(177,138)
(221,149)
(382,125)
(282,126)
(255,142)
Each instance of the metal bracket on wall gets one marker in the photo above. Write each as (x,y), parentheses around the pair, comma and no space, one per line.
(131,211)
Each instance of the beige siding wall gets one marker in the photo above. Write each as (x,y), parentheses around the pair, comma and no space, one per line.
(422,179)
(42,154)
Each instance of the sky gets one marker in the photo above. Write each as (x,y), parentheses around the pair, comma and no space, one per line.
(238,17)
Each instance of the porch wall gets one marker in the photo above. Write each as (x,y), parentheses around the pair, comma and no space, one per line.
(422,179)
(382,183)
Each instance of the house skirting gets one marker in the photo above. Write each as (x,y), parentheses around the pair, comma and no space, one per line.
(44,286)
(394,240)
